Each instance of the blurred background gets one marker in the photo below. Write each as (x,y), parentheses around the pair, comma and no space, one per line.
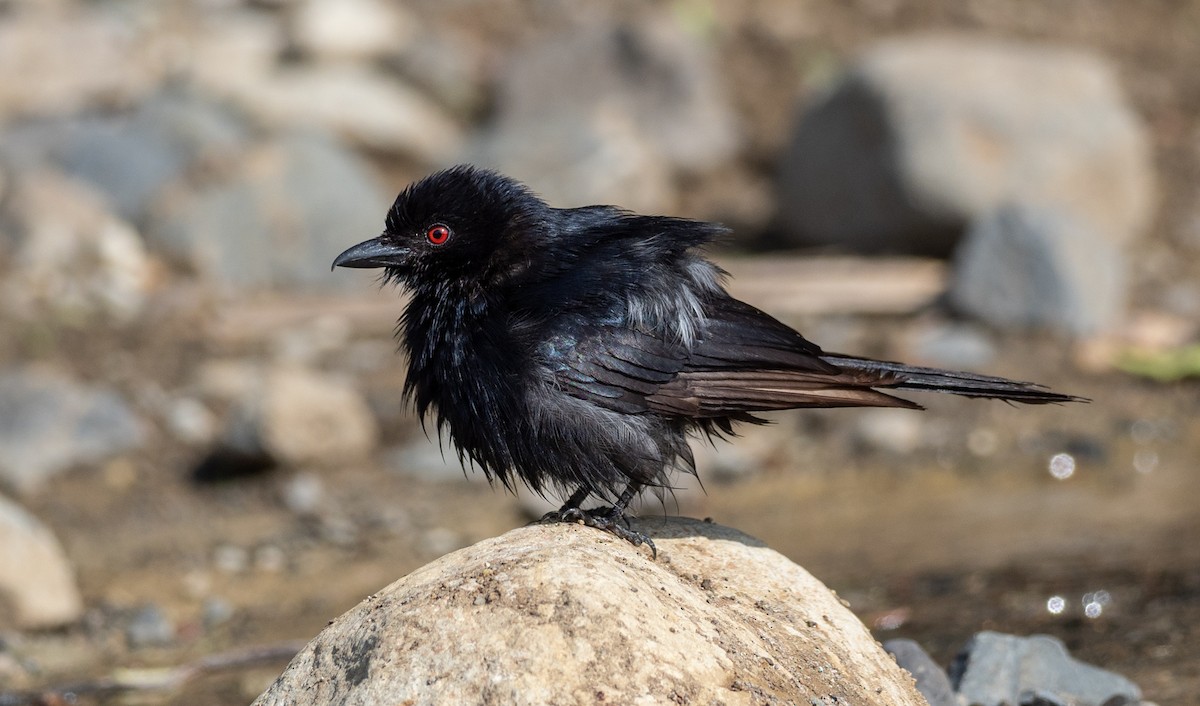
(202,441)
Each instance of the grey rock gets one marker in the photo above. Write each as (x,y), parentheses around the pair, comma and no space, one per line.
(149,627)
(994,669)
(953,345)
(595,619)
(1026,266)
(49,423)
(925,134)
(609,114)
(36,578)
(931,679)
(131,157)
(278,220)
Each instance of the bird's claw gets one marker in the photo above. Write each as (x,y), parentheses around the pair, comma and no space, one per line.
(608,519)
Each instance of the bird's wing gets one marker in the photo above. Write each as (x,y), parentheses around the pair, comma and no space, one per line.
(748,361)
(743,361)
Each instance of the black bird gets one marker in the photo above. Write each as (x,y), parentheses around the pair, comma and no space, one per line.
(578,348)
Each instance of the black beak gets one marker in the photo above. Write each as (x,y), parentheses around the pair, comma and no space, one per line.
(373,253)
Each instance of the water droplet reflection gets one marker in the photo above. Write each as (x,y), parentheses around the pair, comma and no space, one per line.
(1062,466)
(1056,604)
(1094,602)
(1145,460)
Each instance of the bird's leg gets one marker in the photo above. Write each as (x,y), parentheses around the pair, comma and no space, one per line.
(570,511)
(610,519)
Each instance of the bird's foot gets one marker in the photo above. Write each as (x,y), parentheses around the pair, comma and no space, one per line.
(609,519)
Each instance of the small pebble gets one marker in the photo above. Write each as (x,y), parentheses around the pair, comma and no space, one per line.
(303,494)
(229,559)
(216,611)
(149,628)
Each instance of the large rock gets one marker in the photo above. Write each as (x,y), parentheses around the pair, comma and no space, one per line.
(926,133)
(132,157)
(568,615)
(1025,266)
(606,114)
(36,580)
(288,207)
(49,423)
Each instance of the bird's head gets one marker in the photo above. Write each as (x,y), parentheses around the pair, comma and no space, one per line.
(460,224)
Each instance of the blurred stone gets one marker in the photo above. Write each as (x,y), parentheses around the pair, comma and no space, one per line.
(608,114)
(452,69)
(719,618)
(994,669)
(41,49)
(304,493)
(216,612)
(230,559)
(349,29)
(726,461)
(234,50)
(270,558)
(189,421)
(298,416)
(952,345)
(360,104)
(1024,266)
(226,380)
(292,205)
(71,256)
(428,458)
(36,579)
(149,627)
(888,430)
(49,423)
(931,679)
(926,134)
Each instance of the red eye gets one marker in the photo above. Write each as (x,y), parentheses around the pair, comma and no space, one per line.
(438,234)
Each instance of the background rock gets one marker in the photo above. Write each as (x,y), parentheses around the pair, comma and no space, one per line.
(298,416)
(995,669)
(49,423)
(931,679)
(607,114)
(71,256)
(1025,266)
(565,614)
(288,209)
(36,579)
(363,105)
(925,134)
(349,29)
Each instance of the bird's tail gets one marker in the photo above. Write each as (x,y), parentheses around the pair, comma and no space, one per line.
(910,377)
